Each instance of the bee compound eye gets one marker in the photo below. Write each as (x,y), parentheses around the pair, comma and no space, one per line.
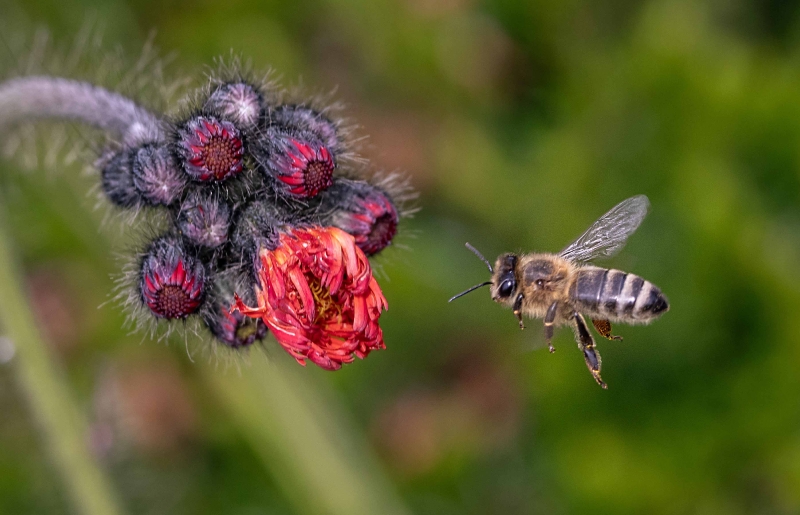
(506,287)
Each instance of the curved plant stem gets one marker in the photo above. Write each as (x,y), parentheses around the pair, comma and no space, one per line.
(43,97)
(48,395)
(318,459)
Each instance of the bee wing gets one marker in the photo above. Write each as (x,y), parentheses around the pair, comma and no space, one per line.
(608,234)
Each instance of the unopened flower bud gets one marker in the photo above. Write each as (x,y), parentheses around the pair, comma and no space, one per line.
(172,282)
(238,102)
(232,329)
(156,175)
(211,149)
(117,180)
(303,118)
(362,210)
(301,164)
(204,219)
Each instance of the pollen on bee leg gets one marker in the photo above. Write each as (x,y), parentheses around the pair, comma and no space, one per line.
(604,328)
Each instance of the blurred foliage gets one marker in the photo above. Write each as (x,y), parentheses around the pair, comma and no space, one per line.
(520,123)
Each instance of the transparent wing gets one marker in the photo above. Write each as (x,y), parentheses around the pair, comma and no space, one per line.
(608,234)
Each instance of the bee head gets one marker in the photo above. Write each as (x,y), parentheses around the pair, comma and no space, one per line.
(504,278)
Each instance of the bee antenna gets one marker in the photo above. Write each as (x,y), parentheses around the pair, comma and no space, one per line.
(477,253)
(487,283)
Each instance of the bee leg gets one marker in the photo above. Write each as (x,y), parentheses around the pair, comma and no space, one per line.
(518,310)
(549,321)
(604,328)
(586,344)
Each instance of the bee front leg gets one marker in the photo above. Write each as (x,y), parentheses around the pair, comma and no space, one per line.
(518,310)
(549,321)
(586,344)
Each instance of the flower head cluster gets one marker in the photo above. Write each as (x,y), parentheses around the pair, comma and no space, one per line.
(270,228)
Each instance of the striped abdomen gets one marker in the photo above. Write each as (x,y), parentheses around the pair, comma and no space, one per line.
(616,296)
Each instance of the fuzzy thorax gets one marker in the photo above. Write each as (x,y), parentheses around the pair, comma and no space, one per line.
(541,279)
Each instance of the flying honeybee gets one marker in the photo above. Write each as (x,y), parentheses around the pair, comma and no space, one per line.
(563,288)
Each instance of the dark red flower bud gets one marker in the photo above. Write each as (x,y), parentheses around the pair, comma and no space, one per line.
(306,119)
(238,102)
(211,149)
(172,282)
(232,329)
(204,219)
(362,210)
(117,179)
(300,163)
(157,176)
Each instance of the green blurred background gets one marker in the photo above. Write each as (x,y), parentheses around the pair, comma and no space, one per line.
(519,123)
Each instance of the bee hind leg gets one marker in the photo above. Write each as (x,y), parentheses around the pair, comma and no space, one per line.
(604,328)
(549,321)
(518,310)
(586,344)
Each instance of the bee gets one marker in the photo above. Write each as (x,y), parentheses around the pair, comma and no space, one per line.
(564,288)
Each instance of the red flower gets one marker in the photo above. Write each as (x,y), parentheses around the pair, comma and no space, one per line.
(303,164)
(318,296)
(211,149)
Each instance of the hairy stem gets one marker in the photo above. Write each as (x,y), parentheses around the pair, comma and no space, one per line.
(48,395)
(315,455)
(42,97)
